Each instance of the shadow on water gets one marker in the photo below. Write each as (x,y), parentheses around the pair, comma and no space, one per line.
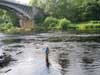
(80,58)
(91,58)
(10,41)
(64,62)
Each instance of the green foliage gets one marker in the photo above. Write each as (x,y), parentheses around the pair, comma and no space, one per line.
(50,22)
(91,12)
(56,8)
(74,10)
(53,24)
(12,18)
(8,17)
(6,26)
(89,27)
(8,20)
(63,24)
(88,10)
(11,29)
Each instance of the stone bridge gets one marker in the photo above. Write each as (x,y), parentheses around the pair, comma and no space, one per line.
(27,14)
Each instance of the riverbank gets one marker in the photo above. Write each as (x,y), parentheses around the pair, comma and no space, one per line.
(39,29)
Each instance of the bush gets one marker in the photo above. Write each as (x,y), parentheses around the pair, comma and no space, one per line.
(7,25)
(89,27)
(50,22)
(9,28)
(63,24)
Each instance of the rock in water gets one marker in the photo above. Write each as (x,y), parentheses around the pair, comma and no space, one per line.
(4,60)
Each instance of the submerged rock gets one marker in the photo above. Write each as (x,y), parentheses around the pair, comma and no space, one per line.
(88,60)
(4,60)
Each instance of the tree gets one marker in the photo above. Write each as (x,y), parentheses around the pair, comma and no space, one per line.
(92,11)
(8,17)
(74,10)
(56,8)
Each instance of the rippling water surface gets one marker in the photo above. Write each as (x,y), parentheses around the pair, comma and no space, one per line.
(72,55)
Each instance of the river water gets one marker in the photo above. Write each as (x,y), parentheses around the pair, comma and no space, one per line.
(70,54)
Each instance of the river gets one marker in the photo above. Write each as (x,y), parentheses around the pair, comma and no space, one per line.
(70,54)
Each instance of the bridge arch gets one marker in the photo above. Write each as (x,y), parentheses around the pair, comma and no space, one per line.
(27,14)
(17,8)
(23,12)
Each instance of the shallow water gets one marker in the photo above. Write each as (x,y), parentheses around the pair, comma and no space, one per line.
(71,57)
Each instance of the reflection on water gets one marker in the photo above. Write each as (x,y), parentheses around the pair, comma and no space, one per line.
(81,59)
(75,58)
